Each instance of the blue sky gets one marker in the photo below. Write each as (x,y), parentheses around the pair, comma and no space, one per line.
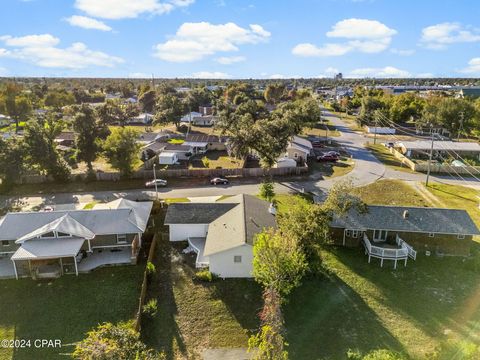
(240,38)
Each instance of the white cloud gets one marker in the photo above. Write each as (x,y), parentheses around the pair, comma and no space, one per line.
(402,52)
(30,40)
(385,72)
(367,36)
(310,50)
(211,75)
(360,29)
(195,41)
(40,50)
(87,23)
(227,60)
(473,67)
(439,36)
(122,9)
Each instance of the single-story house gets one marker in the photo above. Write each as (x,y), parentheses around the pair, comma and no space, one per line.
(380,130)
(441,231)
(421,149)
(299,149)
(144,119)
(49,244)
(198,119)
(285,162)
(212,142)
(168,158)
(66,138)
(221,233)
(183,151)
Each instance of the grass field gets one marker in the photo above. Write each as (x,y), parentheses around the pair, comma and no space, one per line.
(216,159)
(386,157)
(65,308)
(390,192)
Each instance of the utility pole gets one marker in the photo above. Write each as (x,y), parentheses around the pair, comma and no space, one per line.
(375,129)
(155,179)
(430,159)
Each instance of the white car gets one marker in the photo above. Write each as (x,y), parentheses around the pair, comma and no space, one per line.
(160,182)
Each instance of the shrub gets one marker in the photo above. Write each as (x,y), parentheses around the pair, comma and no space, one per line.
(266,190)
(150,268)
(379,354)
(150,308)
(205,276)
(206,162)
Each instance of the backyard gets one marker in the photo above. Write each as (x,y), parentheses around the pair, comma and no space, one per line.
(349,305)
(65,308)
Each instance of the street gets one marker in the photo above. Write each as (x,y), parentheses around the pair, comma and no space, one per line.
(367,169)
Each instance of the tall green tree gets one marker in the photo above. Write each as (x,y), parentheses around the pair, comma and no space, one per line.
(169,109)
(88,131)
(17,104)
(147,100)
(41,147)
(121,149)
(12,161)
(274,93)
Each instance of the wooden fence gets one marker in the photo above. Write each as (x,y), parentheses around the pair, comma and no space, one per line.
(177,173)
(143,291)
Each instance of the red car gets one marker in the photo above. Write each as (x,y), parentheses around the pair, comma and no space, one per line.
(317,144)
(327,158)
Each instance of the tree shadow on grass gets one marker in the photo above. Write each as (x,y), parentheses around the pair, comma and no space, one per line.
(162,332)
(325,317)
(441,287)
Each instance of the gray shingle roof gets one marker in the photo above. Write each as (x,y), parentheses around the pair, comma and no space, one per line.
(420,219)
(122,217)
(195,213)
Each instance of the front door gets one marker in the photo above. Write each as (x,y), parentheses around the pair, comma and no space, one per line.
(380,235)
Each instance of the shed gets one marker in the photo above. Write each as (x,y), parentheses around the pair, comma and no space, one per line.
(167,158)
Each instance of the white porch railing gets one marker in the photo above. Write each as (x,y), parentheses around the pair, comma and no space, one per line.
(402,253)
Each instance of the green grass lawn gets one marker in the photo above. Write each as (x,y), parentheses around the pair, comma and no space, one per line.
(362,306)
(390,192)
(386,157)
(458,197)
(65,308)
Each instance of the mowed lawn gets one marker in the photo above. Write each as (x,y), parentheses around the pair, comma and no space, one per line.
(65,308)
(350,305)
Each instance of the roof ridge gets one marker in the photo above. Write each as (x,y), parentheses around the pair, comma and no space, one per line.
(414,207)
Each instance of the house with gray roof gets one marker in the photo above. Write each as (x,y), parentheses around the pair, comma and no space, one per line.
(48,244)
(440,231)
(221,233)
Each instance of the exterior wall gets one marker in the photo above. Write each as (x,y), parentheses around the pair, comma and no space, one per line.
(421,242)
(446,244)
(12,247)
(223,265)
(300,154)
(180,232)
(107,240)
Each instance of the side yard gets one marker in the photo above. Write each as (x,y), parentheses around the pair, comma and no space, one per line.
(65,308)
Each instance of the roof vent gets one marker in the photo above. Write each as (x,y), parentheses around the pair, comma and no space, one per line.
(272,209)
(406,214)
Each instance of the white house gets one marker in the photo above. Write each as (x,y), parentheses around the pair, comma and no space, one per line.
(221,233)
(144,118)
(167,158)
(5,120)
(299,149)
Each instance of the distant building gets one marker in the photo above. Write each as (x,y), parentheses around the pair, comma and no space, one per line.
(338,76)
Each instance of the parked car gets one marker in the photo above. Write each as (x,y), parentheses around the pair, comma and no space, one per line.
(334,153)
(327,158)
(218,180)
(389,144)
(318,144)
(160,182)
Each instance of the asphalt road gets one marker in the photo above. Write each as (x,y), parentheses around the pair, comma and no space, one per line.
(367,169)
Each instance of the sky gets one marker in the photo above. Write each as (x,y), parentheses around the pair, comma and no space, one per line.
(240,38)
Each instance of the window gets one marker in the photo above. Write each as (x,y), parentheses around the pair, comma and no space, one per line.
(62,234)
(121,238)
(50,234)
(348,233)
(237,259)
(5,242)
(295,155)
(354,233)
(431,235)
(461,236)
